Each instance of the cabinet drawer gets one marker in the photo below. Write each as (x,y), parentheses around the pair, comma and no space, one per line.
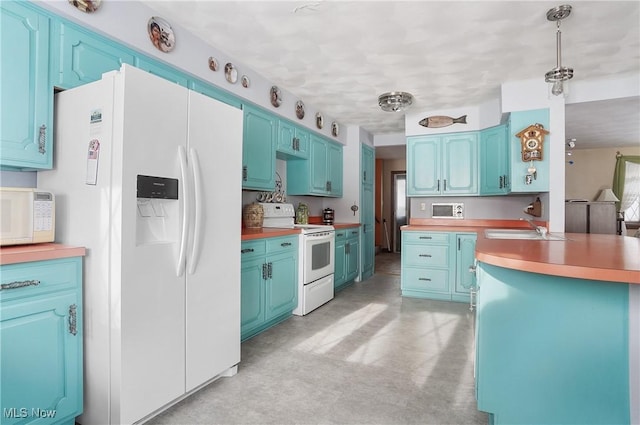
(251,249)
(426,255)
(341,234)
(280,245)
(35,278)
(426,237)
(425,280)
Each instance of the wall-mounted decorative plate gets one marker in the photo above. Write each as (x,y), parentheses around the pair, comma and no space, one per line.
(245,81)
(213,63)
(335,129)
(319,120)
(276,96)
(87,6)
(299,109)
(230,73)
(161,34)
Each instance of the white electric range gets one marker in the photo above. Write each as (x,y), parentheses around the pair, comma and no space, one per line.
(316,256)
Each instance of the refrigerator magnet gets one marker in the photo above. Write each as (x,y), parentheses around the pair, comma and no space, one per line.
(92,162)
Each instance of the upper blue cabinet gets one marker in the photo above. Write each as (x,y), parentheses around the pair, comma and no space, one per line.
(83,56)
(26,138)
(445,164)
(321,174)
(494,161)
(258,150)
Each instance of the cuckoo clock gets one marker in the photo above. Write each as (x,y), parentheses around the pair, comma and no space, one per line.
(532,139)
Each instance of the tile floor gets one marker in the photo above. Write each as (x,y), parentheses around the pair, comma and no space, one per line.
(367,357)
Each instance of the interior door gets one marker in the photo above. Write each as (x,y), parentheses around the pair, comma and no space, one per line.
(400,207)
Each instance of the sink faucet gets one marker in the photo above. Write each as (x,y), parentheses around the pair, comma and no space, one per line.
(541,230)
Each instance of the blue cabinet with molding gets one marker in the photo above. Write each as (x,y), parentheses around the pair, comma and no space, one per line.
(26,141)
(41,362)
(321,174)
(259,149)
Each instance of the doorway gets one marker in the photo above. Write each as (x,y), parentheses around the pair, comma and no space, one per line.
(400,208)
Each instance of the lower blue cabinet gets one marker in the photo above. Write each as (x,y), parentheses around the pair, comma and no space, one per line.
(269,283)
(41,360)
(346,257)
(436,265)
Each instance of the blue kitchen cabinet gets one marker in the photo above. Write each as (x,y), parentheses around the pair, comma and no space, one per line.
(442,165)
(269,283)
(347,256)
(494,161)
(163,71)
(258,149)
(211,91)
(550,349)
(367,220)
(83,56)
(465,258)
(26,140)
(321,174)
(435,265)
(426,265)
(518,121)
(41,362)
(293,141)
(367,162)
(340,259)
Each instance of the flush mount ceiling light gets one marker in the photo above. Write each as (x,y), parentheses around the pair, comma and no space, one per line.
(395,101)
(560,73)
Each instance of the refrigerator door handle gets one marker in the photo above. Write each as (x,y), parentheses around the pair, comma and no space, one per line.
(194,255)
(182,155)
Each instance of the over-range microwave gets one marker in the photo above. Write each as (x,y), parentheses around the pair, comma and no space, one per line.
(447,210)
(27,216)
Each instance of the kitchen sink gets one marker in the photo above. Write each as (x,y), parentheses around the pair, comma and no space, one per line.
(524,234)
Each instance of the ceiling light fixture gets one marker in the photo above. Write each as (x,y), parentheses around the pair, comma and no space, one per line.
(395,101)
(560,73)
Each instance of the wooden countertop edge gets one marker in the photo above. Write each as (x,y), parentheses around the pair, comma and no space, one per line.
(38,252)
(267,232)
(345,225)
(562,270)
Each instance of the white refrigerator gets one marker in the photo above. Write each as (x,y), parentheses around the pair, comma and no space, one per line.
(161,275)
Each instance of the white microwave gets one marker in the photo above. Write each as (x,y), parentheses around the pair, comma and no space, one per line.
(447,210)
(27,216)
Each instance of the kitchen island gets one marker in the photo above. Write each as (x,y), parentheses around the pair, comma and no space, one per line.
(558,329)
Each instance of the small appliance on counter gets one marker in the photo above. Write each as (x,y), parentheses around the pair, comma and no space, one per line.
(28,216)
(328,215)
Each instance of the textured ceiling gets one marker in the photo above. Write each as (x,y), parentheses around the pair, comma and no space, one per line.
(340,55)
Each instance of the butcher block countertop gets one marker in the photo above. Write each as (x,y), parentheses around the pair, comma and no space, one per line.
(38,252)
(609,258)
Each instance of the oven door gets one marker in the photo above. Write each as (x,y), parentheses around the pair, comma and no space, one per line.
(319,255)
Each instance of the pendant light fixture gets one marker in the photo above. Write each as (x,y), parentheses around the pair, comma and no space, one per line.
(395,101)
(560,73)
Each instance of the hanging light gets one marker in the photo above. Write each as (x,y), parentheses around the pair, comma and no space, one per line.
(395,101)
(560,73)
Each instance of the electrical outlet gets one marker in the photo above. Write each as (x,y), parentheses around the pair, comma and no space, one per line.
(423,206)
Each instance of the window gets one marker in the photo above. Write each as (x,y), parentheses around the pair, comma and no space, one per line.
(630,201)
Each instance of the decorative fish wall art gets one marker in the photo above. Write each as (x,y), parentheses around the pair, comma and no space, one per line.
(439,121)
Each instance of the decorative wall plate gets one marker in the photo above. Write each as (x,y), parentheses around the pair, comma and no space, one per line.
(161,34)
(87,6)
(335,129)
(230,73)
(319,120)
(300,109)
(213,63)
(245,81)
(276,96)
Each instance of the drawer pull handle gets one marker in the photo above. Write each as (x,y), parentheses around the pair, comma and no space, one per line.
(22,284)
(425,255)
(426,237)
(73,329)
(244,251)
(424,278)
(339,234)
(285,244)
